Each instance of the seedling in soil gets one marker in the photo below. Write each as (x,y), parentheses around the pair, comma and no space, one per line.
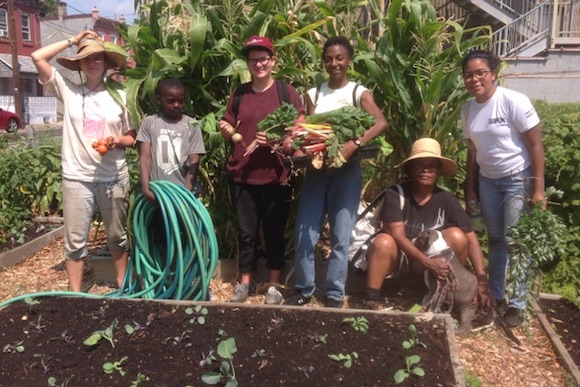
(259,353)
(110,367)
(207,360)
(64,336)
(52,381)
(414,340)
(348,359)
(306,370)
(130,329)
(106,334)
(275,323)
(38,326)
(360,324)
(319,338)
(412,369)
(44,362)
(221,335)
(226,350)
(31,302)
(198,314)
(140,378)
(17,346)
(176,340)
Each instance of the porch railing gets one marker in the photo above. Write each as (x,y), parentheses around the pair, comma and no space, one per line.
(524,31)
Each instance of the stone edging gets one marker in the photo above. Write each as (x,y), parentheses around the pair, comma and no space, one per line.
(561,351)
(20,253)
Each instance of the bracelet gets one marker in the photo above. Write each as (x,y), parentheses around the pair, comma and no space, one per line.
(482,278)
(70,42)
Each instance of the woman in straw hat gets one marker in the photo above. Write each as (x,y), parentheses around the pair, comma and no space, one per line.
(424,207)
(90,177)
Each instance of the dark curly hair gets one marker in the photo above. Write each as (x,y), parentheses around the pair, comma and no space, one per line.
(492,60)
(339,41)
(169,83)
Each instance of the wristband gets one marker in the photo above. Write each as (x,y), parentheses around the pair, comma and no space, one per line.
(482,278)
(70,42)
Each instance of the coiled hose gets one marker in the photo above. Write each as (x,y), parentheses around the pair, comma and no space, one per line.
(175,252)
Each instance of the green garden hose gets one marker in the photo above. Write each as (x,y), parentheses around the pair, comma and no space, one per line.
(175,251)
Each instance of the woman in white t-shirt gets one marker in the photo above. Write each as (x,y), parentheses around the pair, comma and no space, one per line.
(505,166)
(329,191)
(90,177)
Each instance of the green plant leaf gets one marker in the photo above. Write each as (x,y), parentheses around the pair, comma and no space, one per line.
(211,378)
(418,371)
(400,376)
(227,348)
(93,339)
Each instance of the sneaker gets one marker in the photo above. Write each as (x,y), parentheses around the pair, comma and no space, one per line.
(242,292)
(297,299)
(333,303)
(273,296)
(513,317)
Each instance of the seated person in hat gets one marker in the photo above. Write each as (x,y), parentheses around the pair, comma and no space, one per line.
(425,207)
(96,130)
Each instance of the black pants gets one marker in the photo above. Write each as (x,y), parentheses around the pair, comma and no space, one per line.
(265,205)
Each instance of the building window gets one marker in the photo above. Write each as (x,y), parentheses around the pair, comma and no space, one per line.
(26,27)
(3,23)
(114,38)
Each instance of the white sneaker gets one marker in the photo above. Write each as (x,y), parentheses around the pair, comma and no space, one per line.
(273,296)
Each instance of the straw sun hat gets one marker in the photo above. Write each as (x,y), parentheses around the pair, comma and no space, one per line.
(429,148)
(115,55)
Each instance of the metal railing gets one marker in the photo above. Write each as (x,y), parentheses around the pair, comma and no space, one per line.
(524,31)
(566,26)
(514,7)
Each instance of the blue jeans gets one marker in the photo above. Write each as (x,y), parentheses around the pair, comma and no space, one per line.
(336,193)
(502,200)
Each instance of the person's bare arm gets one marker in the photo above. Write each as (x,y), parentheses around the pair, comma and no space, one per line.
(533,140)
(482,297)
(369,105)
(42,56)
(190,176)
(438,266)
(145,170)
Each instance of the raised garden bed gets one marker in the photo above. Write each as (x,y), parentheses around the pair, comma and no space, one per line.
(559,318)
(275,345)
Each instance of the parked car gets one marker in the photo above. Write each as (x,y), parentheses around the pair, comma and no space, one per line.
(9,121)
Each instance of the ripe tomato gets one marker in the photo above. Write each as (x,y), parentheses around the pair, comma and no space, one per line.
(102,149)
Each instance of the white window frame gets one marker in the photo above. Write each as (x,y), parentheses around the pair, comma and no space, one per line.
(26,35)
(3,23)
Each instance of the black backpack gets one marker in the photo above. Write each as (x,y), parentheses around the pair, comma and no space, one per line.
(283,94)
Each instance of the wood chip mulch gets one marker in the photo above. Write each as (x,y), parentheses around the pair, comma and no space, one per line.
(487,355)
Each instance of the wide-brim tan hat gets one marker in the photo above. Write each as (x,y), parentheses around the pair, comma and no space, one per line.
(425,148)
(116,56)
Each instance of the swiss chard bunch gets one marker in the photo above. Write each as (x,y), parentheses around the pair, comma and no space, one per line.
(275,124)
(539,234)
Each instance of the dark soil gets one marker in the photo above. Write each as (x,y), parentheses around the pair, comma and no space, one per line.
(564,316)
(275,346)
(32,232)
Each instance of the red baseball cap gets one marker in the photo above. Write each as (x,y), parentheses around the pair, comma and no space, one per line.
(256,42)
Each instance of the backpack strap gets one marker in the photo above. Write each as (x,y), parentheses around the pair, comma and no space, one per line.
(238,94)
(283,94)
(371,205)
(354,102)
(401,196)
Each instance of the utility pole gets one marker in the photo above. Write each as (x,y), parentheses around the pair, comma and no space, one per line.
(15,66)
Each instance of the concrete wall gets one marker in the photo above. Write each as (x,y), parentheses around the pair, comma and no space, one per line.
(554,78)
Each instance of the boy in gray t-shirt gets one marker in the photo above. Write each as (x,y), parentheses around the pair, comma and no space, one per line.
(170,147)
